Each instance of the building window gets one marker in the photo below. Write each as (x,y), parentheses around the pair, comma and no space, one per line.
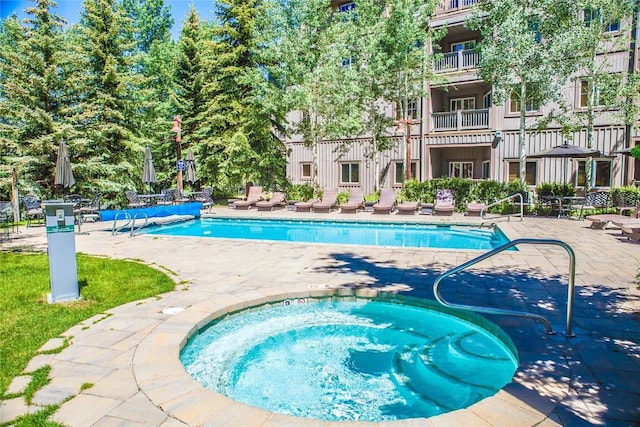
(531,172)
(349,173)
(465,45)
(595,15)
(486,169)
(600,174)
(606,92)
(514,104)
(456,104)
(306,171)
(412,109)
(461,170)
(613,27)
(398,177)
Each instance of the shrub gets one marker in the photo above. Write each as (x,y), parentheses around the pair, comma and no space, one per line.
(343,197)
(300,192)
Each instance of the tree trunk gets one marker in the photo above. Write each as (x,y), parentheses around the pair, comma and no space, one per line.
(523,114)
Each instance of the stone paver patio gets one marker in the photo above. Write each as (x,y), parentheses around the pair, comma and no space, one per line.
(130,354)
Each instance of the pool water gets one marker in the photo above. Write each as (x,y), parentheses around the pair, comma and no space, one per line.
(350,360)
(339,232)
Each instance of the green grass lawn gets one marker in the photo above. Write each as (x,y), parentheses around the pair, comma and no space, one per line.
(27,321)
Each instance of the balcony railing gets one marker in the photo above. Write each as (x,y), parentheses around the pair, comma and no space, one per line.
(461,119)
(457,61)
(451,5)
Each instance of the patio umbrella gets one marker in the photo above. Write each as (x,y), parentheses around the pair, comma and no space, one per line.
(148,171)
(64,175)
(190,168)
(565,151)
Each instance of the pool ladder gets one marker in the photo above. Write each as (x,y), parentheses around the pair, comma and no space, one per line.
(130,224)
(512,197)
(491,310)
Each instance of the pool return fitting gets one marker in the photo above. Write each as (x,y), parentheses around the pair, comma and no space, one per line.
(491,310)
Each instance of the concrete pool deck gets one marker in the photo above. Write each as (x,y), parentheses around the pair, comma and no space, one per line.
(130,354)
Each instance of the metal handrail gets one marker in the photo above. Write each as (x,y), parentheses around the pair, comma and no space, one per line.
(133,223)
(491,310)
(127,216)
(513,196)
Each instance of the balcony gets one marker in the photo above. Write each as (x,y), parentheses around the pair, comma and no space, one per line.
(457,61)
(460,120)
(453,5)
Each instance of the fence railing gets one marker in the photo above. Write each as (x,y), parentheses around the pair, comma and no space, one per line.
(461,119)
(457,61)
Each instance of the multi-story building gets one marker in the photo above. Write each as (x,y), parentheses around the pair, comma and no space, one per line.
(458,131)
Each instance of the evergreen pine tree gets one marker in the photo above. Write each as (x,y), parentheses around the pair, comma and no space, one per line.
(31,89)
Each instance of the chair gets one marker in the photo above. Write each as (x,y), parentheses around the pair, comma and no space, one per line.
(178,197)
(32,209)
(77,201)
(166,197)
(355,201)
(89,210)
(305,206)
(600,221)
(475,209)
(631,230)
(444,204)
(277,201)
(387,202)
(206,198)
(595,200)
(134,200)
(253,196)
(329,201)
(407,208)
(626,202)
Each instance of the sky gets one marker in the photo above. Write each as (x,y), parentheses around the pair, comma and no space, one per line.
(70,10)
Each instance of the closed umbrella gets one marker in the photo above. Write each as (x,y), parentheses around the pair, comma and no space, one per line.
(565,151)
(64,175)
(148,171)
(190,169)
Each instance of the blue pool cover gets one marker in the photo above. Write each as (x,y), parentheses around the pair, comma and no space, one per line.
(154,211)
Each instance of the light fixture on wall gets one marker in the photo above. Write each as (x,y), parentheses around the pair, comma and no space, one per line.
(496,139)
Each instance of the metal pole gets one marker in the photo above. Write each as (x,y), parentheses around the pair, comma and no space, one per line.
(177,128)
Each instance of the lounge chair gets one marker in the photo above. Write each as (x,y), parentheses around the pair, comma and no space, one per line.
(444,204)
(476,209)
(305,206)
(631,230)
(407,208)
(32,209)
(387,202)
(134,200)
(277,201)
(329,201)
(600,221)
(253,196)
(355,202)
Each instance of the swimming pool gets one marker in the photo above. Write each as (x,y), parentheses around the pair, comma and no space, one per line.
(339,232)
(357,360)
